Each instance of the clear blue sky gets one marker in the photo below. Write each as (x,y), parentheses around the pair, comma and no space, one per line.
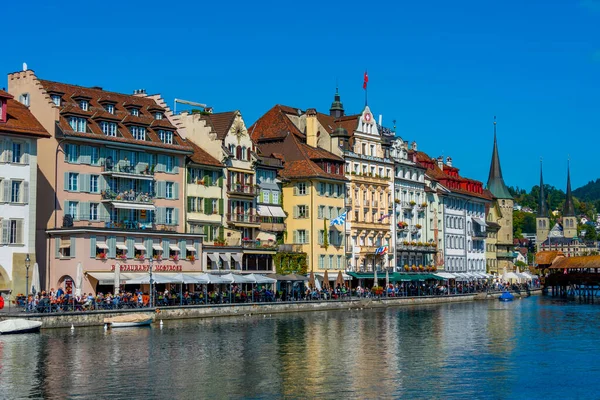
(441,69)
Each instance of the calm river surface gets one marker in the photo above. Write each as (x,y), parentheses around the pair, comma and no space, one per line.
(531,348)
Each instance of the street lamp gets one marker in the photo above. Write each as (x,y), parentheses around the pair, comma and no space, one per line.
(151,281)
(27,265)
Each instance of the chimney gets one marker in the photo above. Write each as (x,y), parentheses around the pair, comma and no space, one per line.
(139,92)
(449,161)
(440,162)
(311,127)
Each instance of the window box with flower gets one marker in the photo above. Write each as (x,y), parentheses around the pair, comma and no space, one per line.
(101,255)
(122,256)
(140,256)
(191,257)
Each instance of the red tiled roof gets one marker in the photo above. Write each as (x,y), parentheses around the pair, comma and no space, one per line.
(576,262)
(274,125)
(348,122)
(122,103)
(200,156)
(220,122)
(547,257)
(20,120)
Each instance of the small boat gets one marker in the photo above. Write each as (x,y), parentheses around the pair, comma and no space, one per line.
(506,296)
(15,326)
(128,320)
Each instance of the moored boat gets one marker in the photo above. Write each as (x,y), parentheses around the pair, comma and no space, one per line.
(128,320)
(16,326)
(506,296)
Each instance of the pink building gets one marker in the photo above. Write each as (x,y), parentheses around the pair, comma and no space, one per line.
(111,188)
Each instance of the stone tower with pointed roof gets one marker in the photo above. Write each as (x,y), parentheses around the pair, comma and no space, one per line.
(569,220)
(542,228)
(337,108)
(503,203)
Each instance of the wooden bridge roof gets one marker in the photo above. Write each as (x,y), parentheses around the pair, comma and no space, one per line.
(577,262)
(546,258)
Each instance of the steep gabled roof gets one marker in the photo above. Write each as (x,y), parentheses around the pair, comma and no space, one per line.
(495,183)
(200,156)
(274,125)
(220,122)
(20,120)
(569,208)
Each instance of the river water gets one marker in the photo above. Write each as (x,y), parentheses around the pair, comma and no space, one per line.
(531,348)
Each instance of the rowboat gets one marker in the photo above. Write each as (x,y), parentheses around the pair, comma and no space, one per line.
(128,320)
(15,326)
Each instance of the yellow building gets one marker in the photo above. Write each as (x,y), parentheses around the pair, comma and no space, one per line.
(313,191)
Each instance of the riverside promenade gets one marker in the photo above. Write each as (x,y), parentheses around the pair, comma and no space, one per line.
(96,318)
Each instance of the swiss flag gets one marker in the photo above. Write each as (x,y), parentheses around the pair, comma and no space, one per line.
(366,80)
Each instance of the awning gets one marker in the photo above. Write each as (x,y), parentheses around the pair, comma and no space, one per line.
(122,247)
(257,278)
(237,257)
(445,275)
(267,185)
(65,244)
(140,247)
(277,211)
(157,247)
(108,278)
(213,257)
(102,245)
(224,257)
(174,247)
(479,221)
(133,206)
(333,275)
(234,278)
(263,211)
(190,248)
(265,236)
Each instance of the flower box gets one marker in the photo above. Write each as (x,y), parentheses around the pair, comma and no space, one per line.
(191,258)
(101,256)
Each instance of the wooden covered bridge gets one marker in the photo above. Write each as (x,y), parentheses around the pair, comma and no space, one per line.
(570,277)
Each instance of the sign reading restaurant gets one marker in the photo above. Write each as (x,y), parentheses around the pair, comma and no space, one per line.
(145,267)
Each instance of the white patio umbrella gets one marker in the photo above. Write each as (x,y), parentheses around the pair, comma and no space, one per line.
(185,278)
(156,278)
(79,279)
(117,278)
(35,281)
(257,278)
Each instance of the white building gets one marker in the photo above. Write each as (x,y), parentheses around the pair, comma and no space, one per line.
(19,131)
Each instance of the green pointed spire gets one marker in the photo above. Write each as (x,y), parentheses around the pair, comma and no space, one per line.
(495,183)
(337,108)
(569,208)
(542,207)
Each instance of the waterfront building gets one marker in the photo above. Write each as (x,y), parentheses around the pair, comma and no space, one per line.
(19,135)
(415,231)
(270,211)
(113,177)
(239,244)
(313,188)
(500,248)
(463,203)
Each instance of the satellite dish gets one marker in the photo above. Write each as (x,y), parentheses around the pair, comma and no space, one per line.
(24,66)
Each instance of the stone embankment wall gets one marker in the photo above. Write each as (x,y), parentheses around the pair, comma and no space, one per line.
(96,318)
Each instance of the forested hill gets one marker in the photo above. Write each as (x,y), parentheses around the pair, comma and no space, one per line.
(589,192)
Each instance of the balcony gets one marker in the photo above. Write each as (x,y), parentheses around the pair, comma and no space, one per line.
(290,248)
(478,235)
(416,246)
(259,244)
(273,227)
(129,199)
(367,203)
(82,221)
(242,189)
(128,171)
(348,202)
(243,218)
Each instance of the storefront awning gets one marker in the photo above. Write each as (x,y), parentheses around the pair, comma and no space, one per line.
(140,247)
(157,247)
(174,247)
(224,257)
(263,211)
(277,211)
(102,245)
(268,185)
(213,257)
(237,257)
(133,206)
(65,244)
(122,247)
(479,221)
(190,248)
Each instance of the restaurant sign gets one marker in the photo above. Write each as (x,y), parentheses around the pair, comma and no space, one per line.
(145,267)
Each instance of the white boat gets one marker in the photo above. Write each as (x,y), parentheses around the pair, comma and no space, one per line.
(14,326)
(128,320)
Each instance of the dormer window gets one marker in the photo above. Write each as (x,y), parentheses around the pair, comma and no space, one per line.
(138,132)
(158,115)
(83,104)
(24,99)
(109,128)
(110,108)
(165,136)
(135,112)
(78,124)
(56,100)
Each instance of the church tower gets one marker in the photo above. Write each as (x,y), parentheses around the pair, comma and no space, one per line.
(569,220)
(503,202)
(337,108)
(542,220)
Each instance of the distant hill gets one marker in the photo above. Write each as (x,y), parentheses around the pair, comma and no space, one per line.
(588,192)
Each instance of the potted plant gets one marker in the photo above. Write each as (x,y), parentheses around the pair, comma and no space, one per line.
(418,226)
(191,257)
(406,268)
(412,202)
(421,268)
(414,268)
(397,201)
(139,257)
(175,257)
(424,204)
(157,257)
(122,256)
(433,268)
(101,255)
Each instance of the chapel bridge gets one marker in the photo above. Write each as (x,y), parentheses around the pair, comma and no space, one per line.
(576,278)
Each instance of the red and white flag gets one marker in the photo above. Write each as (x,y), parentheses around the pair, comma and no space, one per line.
(366,80)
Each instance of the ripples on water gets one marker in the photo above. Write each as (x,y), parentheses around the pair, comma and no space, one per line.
(530,348)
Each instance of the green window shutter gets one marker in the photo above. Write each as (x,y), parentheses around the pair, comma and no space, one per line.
(207,206)
(295,211)
(295,237)
(296,190)
(93,246)
(148,247)
(176,191)
(221,181)
(130,247)
(84,211)
(73,242)
(111,242)
(56,247)
(176,216)
(175,165)
(66,181)
(221,206)
(221,232)
(205,227)
(183,252)
(307,237)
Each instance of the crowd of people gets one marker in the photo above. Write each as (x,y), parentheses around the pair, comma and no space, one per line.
(60,300)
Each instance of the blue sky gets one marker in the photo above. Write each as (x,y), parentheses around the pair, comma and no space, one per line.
(441,69)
